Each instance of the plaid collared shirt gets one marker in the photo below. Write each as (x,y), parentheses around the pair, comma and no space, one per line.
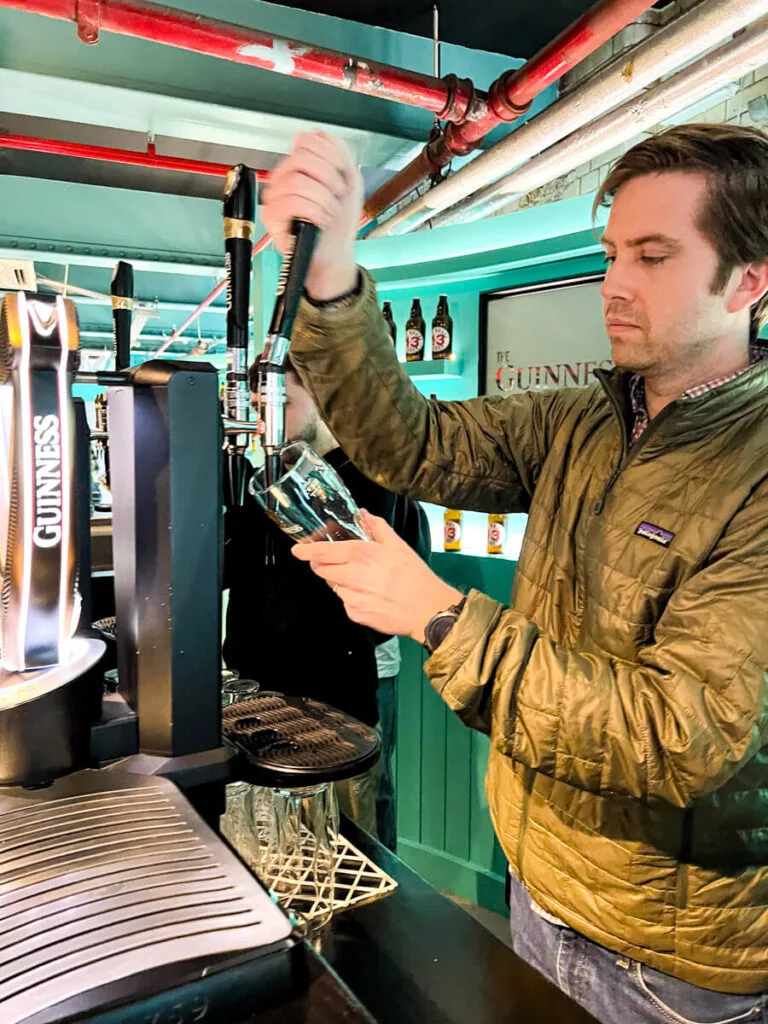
(757,351)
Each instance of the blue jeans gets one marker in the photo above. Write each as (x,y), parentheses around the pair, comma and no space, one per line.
(613,988)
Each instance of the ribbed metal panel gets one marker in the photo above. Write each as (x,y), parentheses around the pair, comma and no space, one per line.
(104,876)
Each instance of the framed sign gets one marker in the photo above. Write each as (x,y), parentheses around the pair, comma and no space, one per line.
(542,336)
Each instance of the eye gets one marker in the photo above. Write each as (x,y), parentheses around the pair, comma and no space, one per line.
(652,261)
(608,259)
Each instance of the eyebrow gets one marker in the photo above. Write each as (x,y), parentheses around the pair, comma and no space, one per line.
(636,243)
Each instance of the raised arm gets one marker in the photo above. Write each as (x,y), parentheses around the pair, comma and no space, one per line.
(482,454)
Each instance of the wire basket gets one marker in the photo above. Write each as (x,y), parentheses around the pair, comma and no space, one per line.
(293,880)
(357,881)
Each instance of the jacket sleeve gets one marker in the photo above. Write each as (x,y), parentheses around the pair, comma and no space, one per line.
(677,724)
(483,454)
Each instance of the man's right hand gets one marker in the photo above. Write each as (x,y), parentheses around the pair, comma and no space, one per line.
(321,183)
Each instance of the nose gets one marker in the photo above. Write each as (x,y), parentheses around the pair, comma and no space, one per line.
(617,284)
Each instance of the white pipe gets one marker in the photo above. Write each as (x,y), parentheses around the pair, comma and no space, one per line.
(689,35)
(85,295)
(64,287)
(709,74)
(97,299)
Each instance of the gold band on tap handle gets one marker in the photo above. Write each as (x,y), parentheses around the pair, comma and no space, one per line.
(238,229)
(121,302)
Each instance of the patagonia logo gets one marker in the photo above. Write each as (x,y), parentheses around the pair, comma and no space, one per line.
(655,533)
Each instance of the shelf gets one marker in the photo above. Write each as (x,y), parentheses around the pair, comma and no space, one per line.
(502,557)
(426,369)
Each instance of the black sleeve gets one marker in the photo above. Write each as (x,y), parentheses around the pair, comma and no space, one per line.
(411,523)
(235,522)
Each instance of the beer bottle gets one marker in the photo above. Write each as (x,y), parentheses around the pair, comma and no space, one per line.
(496,533)
(442,331)
(386,312)
(452,530)
(414,333)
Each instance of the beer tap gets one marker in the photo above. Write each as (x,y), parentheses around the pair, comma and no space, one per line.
(121,291)
(239,216)
(273,358)
(122,313)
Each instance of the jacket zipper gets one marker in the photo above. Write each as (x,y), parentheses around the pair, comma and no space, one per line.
(628,453)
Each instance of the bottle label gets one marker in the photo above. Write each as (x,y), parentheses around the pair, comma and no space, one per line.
(452,533)
(441,339)
(414,342)
(496,537)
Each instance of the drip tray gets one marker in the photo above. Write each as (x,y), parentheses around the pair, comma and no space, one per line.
(294,741)
(113,890)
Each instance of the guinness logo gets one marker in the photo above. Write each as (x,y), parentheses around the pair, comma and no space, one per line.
(47,438)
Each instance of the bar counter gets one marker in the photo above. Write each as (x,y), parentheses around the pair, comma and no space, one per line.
(415,957)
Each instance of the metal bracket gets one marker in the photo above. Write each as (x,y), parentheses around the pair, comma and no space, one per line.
(87,16)
(453,111)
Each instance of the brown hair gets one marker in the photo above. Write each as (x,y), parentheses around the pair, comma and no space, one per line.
(735,216)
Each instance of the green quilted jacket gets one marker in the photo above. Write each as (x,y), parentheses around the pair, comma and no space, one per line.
(625,688)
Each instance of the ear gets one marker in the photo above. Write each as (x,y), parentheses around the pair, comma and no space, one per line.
(751,284)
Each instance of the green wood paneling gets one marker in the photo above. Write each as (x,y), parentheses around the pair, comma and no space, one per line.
(444,829)
(408,753)
(433,781)
(458,787)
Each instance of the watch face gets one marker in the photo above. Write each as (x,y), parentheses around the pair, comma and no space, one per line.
(438,629)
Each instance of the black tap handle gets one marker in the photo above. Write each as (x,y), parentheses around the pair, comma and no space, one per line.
(293,275)
(122,313)
(240,197)
(239,216)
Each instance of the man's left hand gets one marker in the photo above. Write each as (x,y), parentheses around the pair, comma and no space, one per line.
(383,583)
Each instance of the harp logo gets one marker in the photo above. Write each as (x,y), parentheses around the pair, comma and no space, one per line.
(47,438)
(44,317)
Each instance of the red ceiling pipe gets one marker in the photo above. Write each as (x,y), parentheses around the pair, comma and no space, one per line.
(399,185)
(449,98)
(511,95)
(118,156)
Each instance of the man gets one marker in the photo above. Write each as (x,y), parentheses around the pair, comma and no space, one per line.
(625,689)
(289,632)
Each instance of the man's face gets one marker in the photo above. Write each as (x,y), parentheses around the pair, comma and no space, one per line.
(659,309)
(301,417)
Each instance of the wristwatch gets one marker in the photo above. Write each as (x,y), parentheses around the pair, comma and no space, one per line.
(440,625)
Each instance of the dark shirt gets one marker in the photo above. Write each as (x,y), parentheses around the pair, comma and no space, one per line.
(285,626)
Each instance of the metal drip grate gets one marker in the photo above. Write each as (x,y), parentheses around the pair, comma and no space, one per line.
(107,627)
(295,741)
(106,876)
